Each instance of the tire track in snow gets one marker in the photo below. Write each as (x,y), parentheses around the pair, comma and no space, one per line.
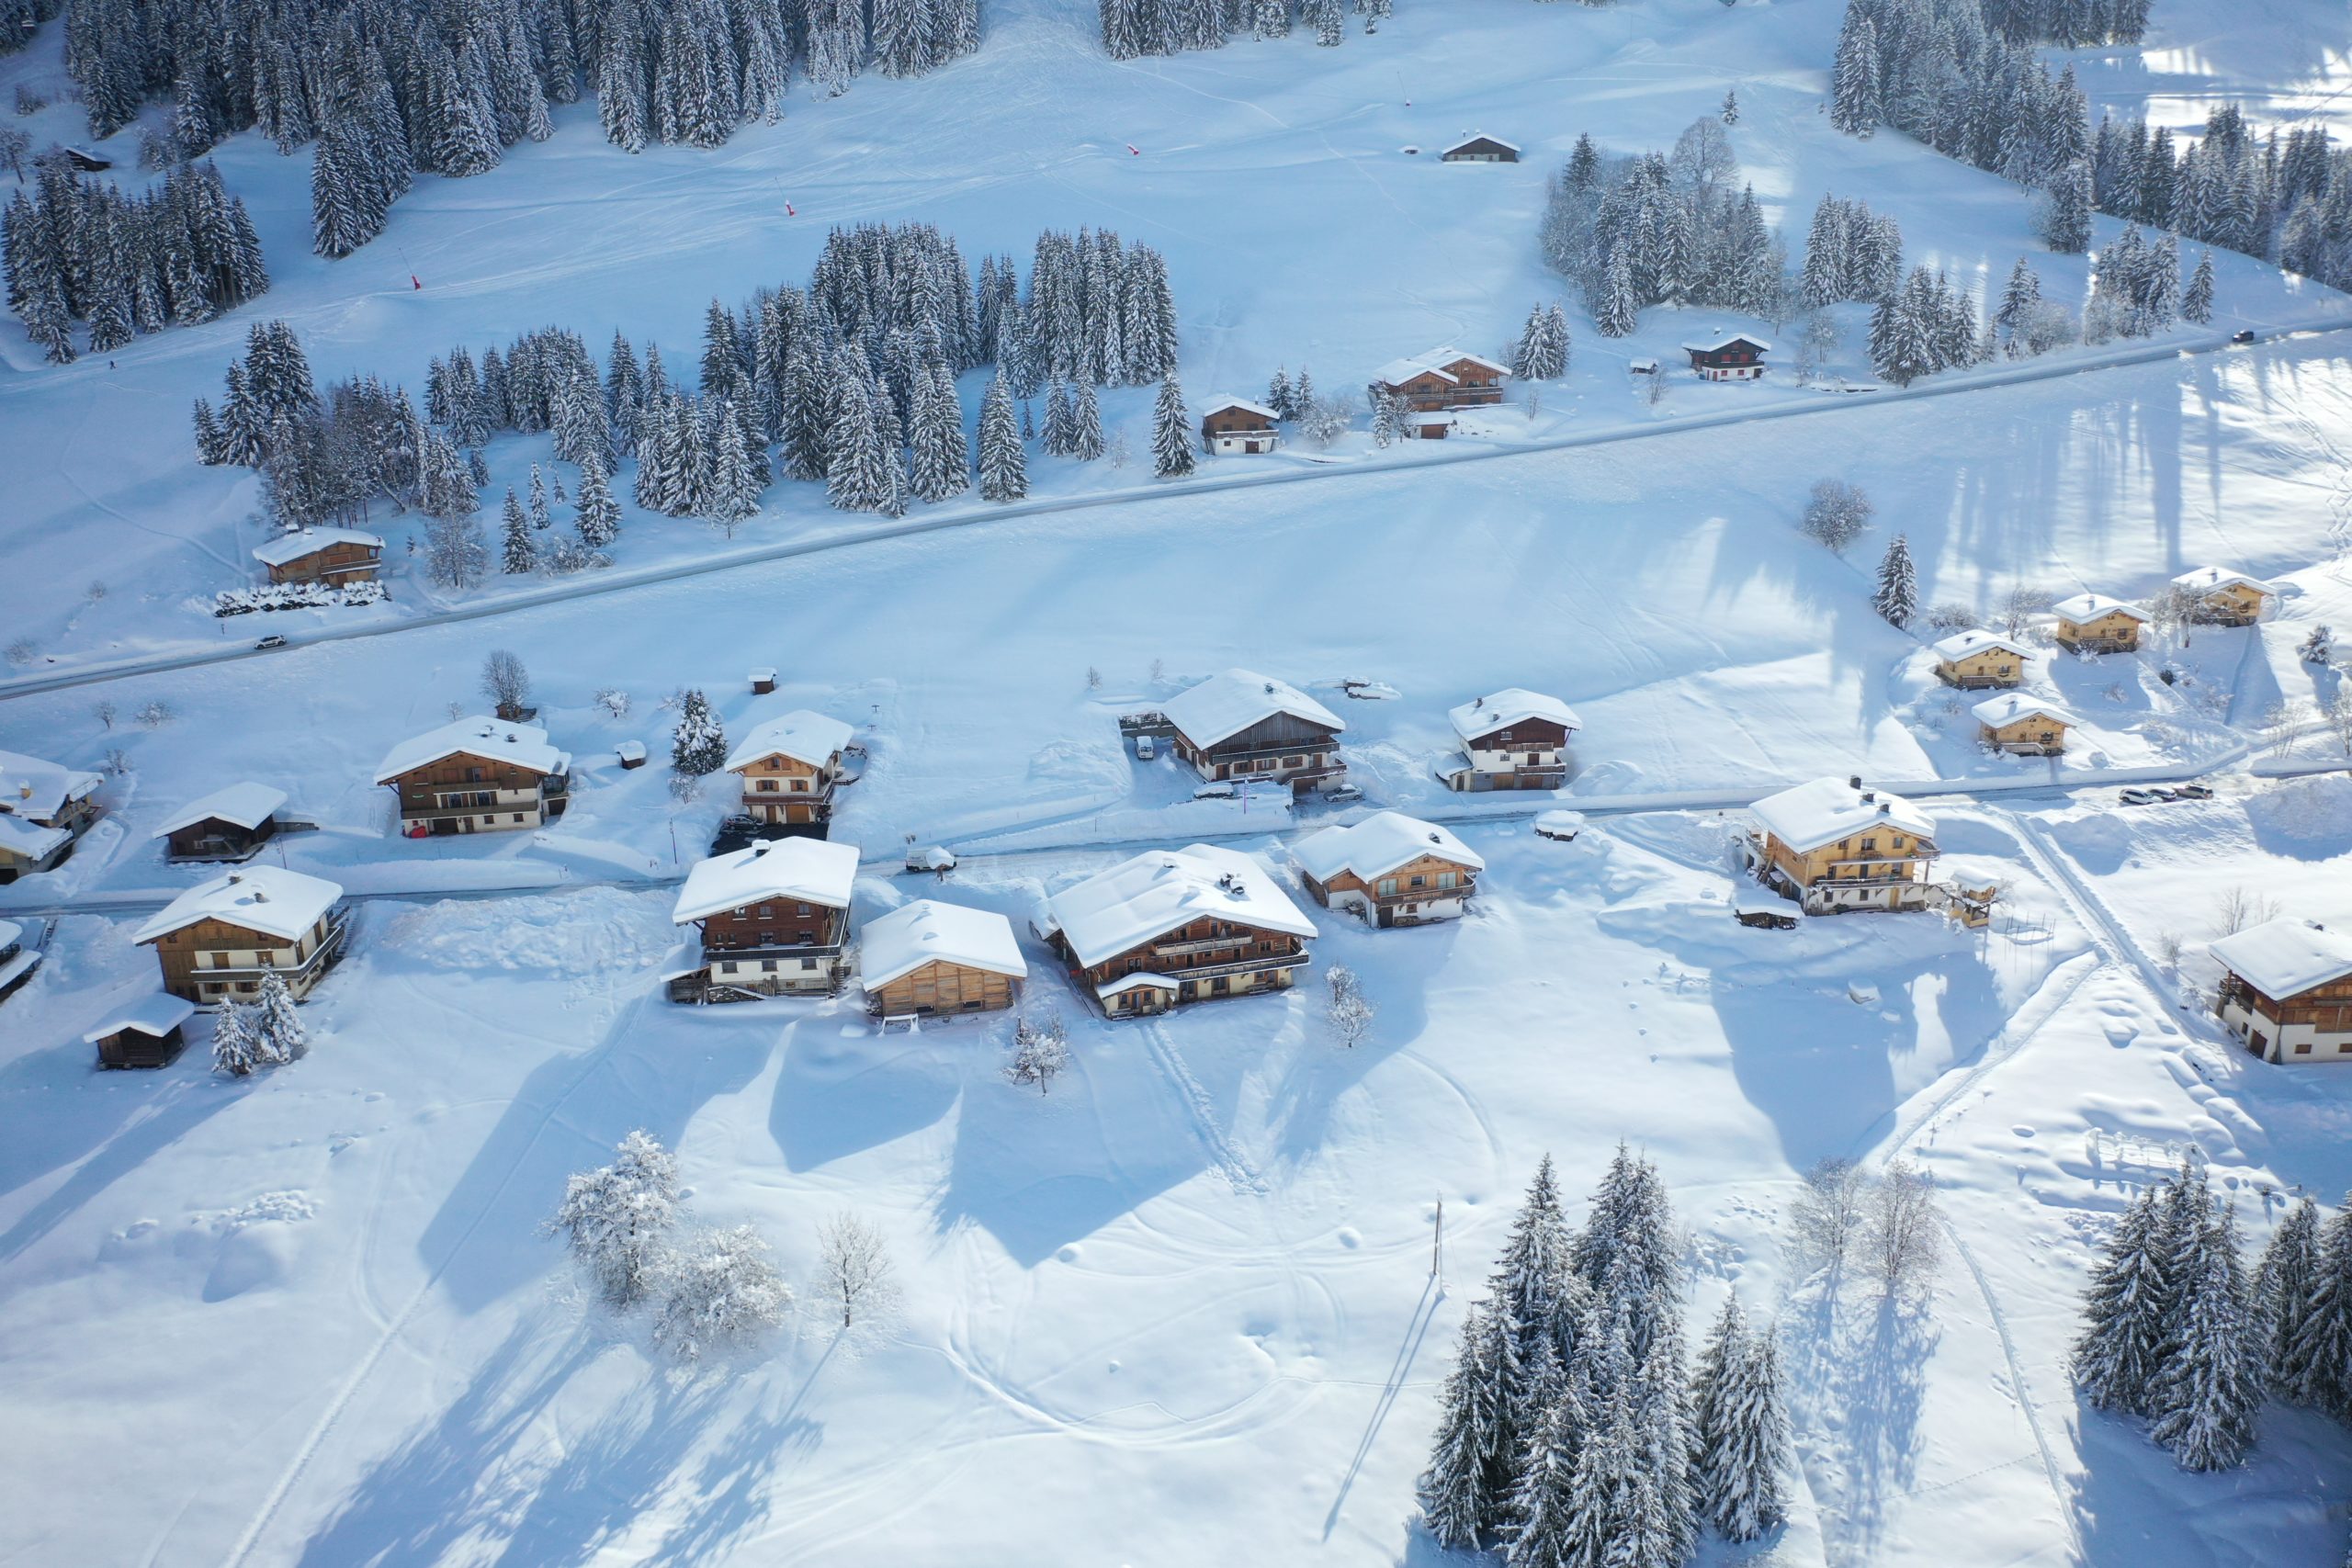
(1228,1159)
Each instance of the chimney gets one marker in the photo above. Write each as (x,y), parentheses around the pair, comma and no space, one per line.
(1854,781)
(1869,795)
(260,896)
(1886,808)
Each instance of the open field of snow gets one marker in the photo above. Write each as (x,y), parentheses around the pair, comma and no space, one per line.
(1181,1310)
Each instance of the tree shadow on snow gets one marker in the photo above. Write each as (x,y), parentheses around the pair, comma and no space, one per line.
(1860,1376)
(167,1106)
(837,1097)
(2135,1509)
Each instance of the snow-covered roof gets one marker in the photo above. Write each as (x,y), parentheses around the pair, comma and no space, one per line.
(1159,890)
(10,932)
(1378,845)
(265,899)
(1228,703)
(289,547)
(1143,981)
(156,1014)
(1559,823)
(1219,403)
(764,673)
(1478,136)
(1960,645)
(27,838)
(31,786)
(1512,704)
(1642,364)
(246,804)
(1725,340)
(2285,958)
(905,940)
(806,871)
(1810,815)
(2209,579)
(525,745)
(803,736)
(630,750)
(2091,606)
(2010,706)
(1433,363)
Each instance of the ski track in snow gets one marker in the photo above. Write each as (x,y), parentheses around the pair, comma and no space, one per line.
(1228,1158)
(2020,1393)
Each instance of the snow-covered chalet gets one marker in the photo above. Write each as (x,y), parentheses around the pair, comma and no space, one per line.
(930,958)
(44,807)
(1236,425)
(2093,622)
(1836,847)
(230,824)
(217,939)
(481,775)
(1391,869)
(1168,927)
(774,917)
(2221,597)
(332,555)
(1512,740)
(2023,725)
(2287,990)
(789,766)
(1972,659)
(1733,357)
(1241,724)
(1423,386)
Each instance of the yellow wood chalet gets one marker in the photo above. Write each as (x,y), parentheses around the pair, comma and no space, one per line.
(2093,622)
(1836,847)
(1978,658)
(2023,725)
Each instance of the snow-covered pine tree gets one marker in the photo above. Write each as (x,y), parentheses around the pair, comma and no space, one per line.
(734,490)
(1896,597)
(859,469)
(2318,1368)
(617,1219)
(599,519)
(2197,303)
(939,470)
(2126,1310)
(1086,442)
(1277,395)
(2019,298)
(540,516)
(1173,457)
(1617,311)
(698,744)
(277,1023)
(2211,1386)
(1740,1430)
(1530,1275)
(1731,107)
(1540,1519)
(1058,432)
(1003,466)
(1455,1502)
(520,555)
(1854,104)
(2282,1287)
(237,1048)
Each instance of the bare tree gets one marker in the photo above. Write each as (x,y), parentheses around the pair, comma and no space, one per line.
(852,1264)
(2339,714)
(505,683)
(2020,607)
(1040,1049)
(1900,1229)
(2281,721)
(2172,611)
(614,701)
(2240,907)
(1827,1214)
(155,714)
(104,712)
(1350,1012)
(1837,513)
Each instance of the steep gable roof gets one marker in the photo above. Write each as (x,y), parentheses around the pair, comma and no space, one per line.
(1225,704)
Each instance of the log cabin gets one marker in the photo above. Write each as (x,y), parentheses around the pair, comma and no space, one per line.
(17,962)
(2093,622)
(477,775)
(1513,739)
(2287,991)
(789,766)
(332,555)
(2220,597)
(1837,848)
(1442,378)
(1244,725)
(1481,149)
(45,809)
(930,958)
(774,918)
(1170,927)
(1973,660)
(1390,870)
(216,940)
(1735,356)
(230,824)
(144,1032)
(2023,725)
(1236,425)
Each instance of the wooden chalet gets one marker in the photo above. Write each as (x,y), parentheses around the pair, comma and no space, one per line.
(1512,740)
(18,961)
(762,681)
(929,959)
(1425,387)
(1973,660)
(1481,149)
(1390,870)
(230,824)
(2220,597)
(1836,847)
(2287,991)
(2093,622)
(332,555)
(1244,725)
(481,774)
(789,766)
(217,939)
(145,1032)
(44,809)
(1169,927)
(2023,725)
(1734,357)
(774,918)
(1236,425)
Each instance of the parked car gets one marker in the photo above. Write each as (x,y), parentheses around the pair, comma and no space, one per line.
(2140,797)
(2194,792)
(1215,792)
(2243,335)
(272,640)
(1146,748)
(1340,794)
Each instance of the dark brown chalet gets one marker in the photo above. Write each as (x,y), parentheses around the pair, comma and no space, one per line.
(774,918)
(332,555)
(1442,378)
(1734,358)
(215,942)
(1169,927)
(230,824)
(1481,149)
(1243,726)
(1238,425)
(477,775)
(2287,991)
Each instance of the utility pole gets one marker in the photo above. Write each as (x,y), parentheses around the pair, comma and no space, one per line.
(1437,1247)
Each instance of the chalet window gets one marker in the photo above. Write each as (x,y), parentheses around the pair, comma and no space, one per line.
(2303,1047)
(800,785)
(767,966)
(806,938)
(1419,882)
(1448,879)
(1503,736)
(519,817)
(1387,888)
(767,910)
(1292,761)
(767,785)
(473,775)
(803,909)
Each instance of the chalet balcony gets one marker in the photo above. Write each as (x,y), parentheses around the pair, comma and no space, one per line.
(321,958)
(1240,967)
(1302,749)
(1206,944)
(829,949)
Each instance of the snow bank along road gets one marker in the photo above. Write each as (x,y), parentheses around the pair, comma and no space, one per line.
(1950,384)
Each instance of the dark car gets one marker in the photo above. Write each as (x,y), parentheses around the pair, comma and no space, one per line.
(2194,792)
(2243,335)
(272,640)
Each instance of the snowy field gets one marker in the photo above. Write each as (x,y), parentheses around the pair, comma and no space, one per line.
(1181,1310)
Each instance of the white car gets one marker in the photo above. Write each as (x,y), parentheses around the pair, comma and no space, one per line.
(1146,748)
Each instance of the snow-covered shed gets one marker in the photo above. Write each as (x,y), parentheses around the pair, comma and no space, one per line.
(228,824)
(1481,148)
(773,915)
(1513,739)
(1170,926)
(145,1031)
(1969,660)
(1230,425)
(1728,356)
(333,556)
(1243,724)
(790,765)
(216,940)
(476,775)
(44,807)
(2287,990)
(2223,597)
(763,680)
(2023,725)
(17,962)
(1835,846)
(1390,869)
(930,958)
(2094,623)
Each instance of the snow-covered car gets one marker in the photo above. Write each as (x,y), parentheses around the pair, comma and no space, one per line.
(2140,797)
(2194,792)
(1214,792)
(1146,748)
(272,640)
(1340,794)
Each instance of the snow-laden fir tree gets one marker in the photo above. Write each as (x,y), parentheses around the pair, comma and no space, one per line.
(1617,311)
(1530,1276)
(1278,396)
(1896,598)
(1057,432)
(1731,108)
(734,493)
(1003,466)
(719,1291)
(1854,104)
(520,555)
(618,1220)
(939,471)
(540,516)
(1172,456)
(1542,350)
(276,1022)
(2197,303)
(1455,1491)
(2317,1370)
(1739,1429)
(2283,1284)
(2019,298)
(859,467)
(1086,442)
(237,1046)
(599,516)
(698,744)
(2125,1312)
(2205,1396)
(1541,1515)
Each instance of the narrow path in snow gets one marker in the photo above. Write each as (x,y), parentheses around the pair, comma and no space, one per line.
(1230,1162)
(609,582)
(2018,1393)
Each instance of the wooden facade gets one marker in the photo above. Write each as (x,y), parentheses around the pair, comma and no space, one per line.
(2029,734)
(135,1046)
(2237,604)
(777,788)
(1733,359)
(1429,888)
(941,987)
(345,560)
(20,856)
(214,960)
(1238,428)
(1531,754)
(2112,631)
(1204,959)
(775,947)
(1278,749)
(218,839)
(1480,149)
(1995,664)
(1877,864)
(1441,383)
(468,793)
(2313,1025)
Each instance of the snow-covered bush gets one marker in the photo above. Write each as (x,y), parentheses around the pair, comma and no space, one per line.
(718,1292)
(614,701)
(1836,514)
(296,596)
(1350,1012)
(853,1265)
(237,1049)
(698,744)
(618,1220)
(1040,1049)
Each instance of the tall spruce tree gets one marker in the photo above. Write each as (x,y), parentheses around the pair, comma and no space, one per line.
(2211,1386)
(2282,1289)
(1003,466)
(2125,1312)
(1896,598)
(1172,454)
(698,744)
